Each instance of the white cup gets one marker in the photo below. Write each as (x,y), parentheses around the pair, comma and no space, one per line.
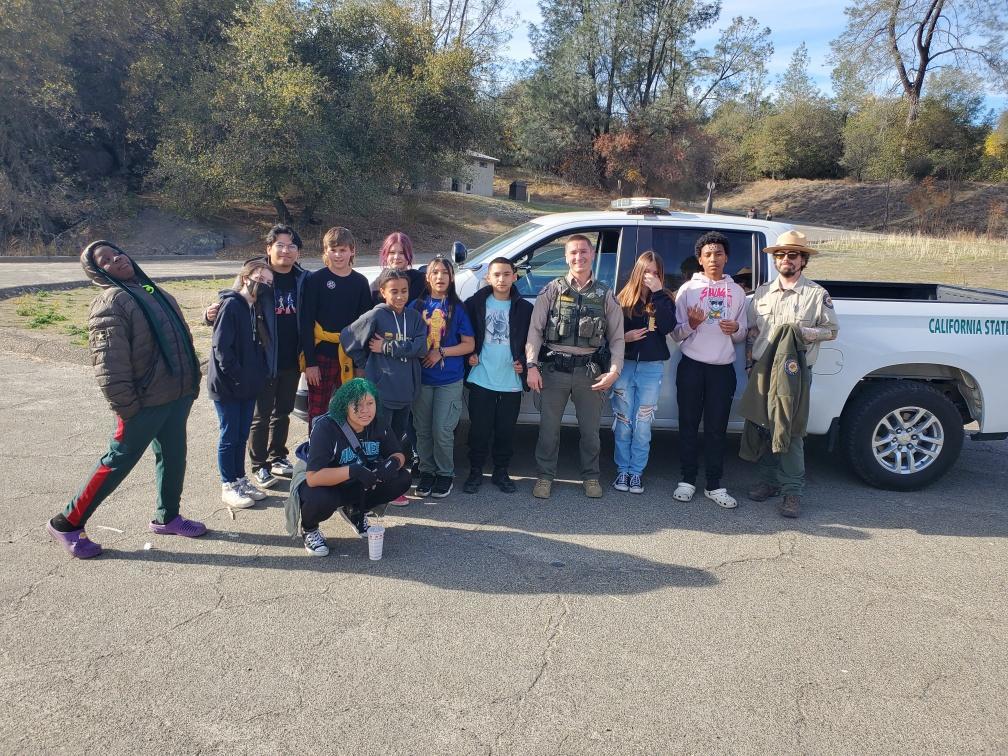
(375,542)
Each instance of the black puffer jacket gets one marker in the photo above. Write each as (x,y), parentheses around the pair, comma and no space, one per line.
(141,347)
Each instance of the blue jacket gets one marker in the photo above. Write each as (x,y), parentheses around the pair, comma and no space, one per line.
(239,362)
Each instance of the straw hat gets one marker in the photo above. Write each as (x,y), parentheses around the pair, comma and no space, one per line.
(791,240)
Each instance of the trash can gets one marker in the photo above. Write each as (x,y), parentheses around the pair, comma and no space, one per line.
(518,191)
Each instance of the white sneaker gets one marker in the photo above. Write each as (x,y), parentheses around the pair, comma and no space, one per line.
(246,487)
(721,497)
(233,496)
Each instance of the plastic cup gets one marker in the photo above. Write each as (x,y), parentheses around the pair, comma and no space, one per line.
(375,542)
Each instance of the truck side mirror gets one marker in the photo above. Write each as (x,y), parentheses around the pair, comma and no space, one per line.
(459,252)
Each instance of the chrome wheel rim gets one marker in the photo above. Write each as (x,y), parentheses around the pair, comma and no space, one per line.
(908,440)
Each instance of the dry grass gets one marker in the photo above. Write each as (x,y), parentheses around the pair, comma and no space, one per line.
(848,204)
(63,315)
(963,260)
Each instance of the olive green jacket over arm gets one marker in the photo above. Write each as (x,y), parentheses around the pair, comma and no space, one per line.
(775,403)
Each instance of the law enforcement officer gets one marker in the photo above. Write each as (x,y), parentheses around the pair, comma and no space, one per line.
(789,298)
(574,350)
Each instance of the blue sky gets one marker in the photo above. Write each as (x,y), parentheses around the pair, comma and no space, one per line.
(791,22)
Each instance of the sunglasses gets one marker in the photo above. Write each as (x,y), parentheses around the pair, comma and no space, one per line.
(788,255)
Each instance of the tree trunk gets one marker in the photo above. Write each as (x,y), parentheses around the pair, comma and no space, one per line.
(282,211)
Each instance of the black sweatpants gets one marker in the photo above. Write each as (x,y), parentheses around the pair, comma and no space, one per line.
(320,503)
(492,414)
(401,423)
(271,421)
(703,391)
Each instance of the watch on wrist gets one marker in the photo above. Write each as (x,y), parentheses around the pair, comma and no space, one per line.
(441,352)
(532,365)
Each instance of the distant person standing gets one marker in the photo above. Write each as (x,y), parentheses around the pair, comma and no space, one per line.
(333,298)
(576,335)
(711,317)
(267,448)
(751,213)
(769,215)
(790,299)
(147,369)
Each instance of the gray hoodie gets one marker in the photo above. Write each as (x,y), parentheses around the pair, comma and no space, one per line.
(396,371)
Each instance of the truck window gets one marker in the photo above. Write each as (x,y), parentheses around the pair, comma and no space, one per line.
(545,261)
(676,247)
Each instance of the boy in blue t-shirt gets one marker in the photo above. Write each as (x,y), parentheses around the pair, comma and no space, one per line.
(437,408)
(500,319)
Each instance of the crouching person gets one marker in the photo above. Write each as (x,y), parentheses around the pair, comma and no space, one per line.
(147,369)
(354,465)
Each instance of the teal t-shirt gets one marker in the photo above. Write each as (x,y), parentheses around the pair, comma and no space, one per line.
(495,370)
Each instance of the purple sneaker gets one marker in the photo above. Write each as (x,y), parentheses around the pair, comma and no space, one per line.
(179,526)
(76,542)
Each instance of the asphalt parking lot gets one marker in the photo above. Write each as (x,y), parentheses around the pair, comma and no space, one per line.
(876,623)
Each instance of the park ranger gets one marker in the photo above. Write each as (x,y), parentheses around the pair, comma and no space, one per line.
(574,351)
(790,298)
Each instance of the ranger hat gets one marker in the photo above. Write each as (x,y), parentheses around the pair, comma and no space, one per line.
(791,240)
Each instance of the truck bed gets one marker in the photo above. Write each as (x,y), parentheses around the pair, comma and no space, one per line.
(918,292)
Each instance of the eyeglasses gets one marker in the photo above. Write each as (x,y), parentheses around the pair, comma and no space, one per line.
(285,247)
(788,255)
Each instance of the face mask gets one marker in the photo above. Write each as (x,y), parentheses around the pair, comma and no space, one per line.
(255,288)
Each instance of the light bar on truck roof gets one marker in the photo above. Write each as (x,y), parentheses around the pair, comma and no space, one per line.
(630,203)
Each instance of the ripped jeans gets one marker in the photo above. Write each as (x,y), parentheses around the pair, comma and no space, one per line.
(634,401)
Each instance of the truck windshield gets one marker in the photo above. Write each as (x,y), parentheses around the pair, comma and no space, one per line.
(484,253)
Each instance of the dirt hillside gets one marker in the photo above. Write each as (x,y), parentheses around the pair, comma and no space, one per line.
(970,207)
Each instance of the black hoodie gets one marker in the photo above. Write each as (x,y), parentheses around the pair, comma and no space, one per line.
(238,366)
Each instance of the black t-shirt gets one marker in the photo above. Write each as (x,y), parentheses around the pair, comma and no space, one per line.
(329,446)
(334,302)
(285,294)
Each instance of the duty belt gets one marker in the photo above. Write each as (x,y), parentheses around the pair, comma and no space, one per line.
(567,363)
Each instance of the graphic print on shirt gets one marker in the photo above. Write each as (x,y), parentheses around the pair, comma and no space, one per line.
(436,322)
(370,449)
(285,303)
(497,327)
(716,300)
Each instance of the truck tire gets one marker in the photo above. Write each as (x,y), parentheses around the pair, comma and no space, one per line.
(901,435)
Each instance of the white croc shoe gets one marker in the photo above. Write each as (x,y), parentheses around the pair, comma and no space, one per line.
(684,492)
(721,497)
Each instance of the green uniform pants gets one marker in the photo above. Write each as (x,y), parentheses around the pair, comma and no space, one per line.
(786,470)
(558,387)
(164,428)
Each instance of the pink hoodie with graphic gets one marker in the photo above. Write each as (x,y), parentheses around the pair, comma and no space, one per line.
(720,300)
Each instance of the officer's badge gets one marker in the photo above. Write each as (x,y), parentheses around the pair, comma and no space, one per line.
(791,367)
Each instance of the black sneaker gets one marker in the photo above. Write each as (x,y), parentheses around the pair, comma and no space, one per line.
(442,486)
(360,525)
(426,483)
(502,480)
(264,478)
(473,482)
(315,544)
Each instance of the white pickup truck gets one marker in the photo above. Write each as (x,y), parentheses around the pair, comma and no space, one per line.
(912,366)
(913,363)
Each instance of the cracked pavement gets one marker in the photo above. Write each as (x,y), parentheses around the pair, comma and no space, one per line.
(497,624)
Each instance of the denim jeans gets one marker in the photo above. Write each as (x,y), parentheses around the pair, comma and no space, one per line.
(634,401)
(436,412)
(235,423)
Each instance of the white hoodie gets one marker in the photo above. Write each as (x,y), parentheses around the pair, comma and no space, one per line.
(721,300)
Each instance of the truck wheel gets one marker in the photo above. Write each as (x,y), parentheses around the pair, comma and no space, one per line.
(901,435)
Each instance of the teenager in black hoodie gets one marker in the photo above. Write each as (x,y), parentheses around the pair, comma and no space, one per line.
(237,371)
(500,319)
